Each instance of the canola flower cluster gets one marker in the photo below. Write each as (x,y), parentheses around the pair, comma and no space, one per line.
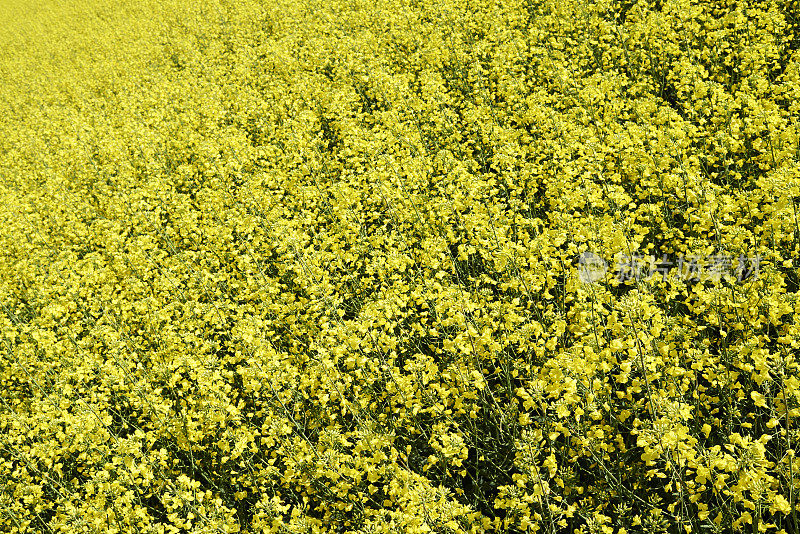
(313,266)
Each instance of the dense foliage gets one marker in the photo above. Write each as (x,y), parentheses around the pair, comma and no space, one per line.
(313,266)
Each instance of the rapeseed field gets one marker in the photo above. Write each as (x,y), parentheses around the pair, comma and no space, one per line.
(357,266)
